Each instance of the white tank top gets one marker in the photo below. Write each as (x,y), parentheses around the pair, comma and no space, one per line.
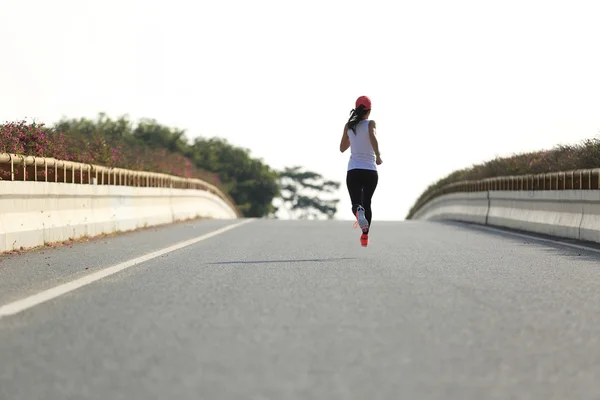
(362,155)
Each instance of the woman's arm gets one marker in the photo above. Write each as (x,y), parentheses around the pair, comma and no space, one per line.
(373,139)
(345,143)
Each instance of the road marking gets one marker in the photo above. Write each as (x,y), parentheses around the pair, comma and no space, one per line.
(540,239)
(39,298)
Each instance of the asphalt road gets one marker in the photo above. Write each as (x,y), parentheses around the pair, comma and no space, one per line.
(298,310)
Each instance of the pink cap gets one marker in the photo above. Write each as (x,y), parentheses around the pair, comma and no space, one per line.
(363,101)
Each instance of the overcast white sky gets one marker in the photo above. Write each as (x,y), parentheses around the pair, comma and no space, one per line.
(452,82)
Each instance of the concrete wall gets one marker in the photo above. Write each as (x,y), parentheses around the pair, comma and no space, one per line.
(573,214)
(556,213)
(36,213)
(466,207)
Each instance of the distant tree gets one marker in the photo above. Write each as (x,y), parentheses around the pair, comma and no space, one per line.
(301,194)
(99,141)
(155,135)
(112,130)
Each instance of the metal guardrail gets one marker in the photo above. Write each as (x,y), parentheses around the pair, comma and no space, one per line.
(584,179)
(43,169)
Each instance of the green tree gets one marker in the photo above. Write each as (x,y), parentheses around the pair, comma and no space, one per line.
(155,135)
(113,131)
(252,184)
(97,141)
(301,192)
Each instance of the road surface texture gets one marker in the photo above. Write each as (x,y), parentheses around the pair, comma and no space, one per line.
(298,310)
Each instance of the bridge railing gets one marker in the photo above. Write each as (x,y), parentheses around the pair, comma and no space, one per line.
(14,167)
(583,179)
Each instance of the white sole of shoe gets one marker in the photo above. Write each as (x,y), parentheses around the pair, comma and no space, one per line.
(362,220)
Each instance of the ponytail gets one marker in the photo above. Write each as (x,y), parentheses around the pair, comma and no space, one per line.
(356,115)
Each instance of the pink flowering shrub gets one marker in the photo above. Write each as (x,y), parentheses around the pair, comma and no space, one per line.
(33,139)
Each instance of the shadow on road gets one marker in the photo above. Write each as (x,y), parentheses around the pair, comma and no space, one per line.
(283,261)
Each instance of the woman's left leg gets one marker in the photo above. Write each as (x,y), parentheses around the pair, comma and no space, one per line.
(355,189)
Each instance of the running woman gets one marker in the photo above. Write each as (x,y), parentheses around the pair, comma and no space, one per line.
(361,177)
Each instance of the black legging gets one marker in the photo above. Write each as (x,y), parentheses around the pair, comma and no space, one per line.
(361,186)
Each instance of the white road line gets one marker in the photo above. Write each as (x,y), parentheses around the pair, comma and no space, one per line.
(540,239)
(39,298)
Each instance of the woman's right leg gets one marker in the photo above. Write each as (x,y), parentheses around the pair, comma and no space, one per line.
(369,184)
